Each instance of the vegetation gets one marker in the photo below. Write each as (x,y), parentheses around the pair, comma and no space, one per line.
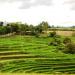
(23,29)
(67,41)
(52,34)
(22,52)
(70,48)
(33,55)
(55,42)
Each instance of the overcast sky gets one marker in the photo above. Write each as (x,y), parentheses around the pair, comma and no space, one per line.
(56,12)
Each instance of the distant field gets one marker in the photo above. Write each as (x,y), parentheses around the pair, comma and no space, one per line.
(64,33)
(28,54)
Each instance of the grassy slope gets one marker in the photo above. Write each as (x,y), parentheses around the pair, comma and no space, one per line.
(34,56)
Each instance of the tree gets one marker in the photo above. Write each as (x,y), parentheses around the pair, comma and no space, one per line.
(8,30)
(38,29)
(44,26)
(32,29)
(14,27)
(2,30)
(24,28)
(1,23)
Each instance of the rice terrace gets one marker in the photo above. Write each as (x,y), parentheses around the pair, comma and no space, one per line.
(37,50)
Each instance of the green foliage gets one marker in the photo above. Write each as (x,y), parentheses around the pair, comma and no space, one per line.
(66,40)
(38,29)
(55,42)
(44,25)
(67,46)
(2,30)
(1,23)
(32,29)
(70,48)
(52,34)
(24,29)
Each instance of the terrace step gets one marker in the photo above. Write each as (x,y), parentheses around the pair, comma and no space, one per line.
(12,53)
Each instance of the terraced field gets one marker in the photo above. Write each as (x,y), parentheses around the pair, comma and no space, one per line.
(29,54)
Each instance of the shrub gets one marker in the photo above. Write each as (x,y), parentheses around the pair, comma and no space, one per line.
(55,42)
(70,48)
(67,40)
(52,34)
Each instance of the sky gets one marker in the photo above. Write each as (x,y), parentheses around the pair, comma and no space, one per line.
(55,12)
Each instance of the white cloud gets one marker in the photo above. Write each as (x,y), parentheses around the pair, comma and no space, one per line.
(36,3)
(30,3)
(71,3)
(58,13)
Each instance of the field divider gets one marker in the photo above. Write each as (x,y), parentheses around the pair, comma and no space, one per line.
(12,53)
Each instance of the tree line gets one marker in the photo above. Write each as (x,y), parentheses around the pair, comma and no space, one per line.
(20,28)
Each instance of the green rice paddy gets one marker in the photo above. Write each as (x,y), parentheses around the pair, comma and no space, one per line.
(28,54)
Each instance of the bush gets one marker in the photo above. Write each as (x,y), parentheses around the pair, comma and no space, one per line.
(70,48)
(55,42)
(67,40)
(52,34)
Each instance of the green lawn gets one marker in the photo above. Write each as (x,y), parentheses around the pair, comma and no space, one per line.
(28,54)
